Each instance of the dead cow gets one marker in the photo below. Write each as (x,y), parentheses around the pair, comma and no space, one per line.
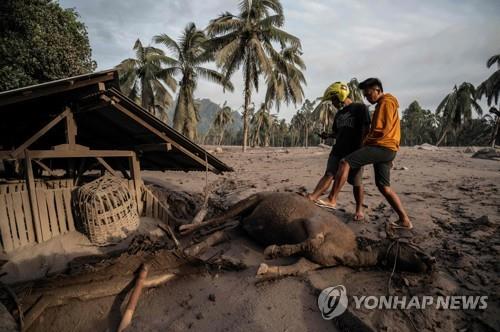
(289,224)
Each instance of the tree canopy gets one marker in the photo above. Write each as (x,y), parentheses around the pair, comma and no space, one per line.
(40,42)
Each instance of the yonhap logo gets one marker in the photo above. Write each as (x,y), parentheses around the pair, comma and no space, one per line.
(332,302)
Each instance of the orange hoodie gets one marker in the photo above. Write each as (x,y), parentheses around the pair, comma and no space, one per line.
(385,129)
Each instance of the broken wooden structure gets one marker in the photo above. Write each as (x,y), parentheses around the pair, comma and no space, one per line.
(56,136)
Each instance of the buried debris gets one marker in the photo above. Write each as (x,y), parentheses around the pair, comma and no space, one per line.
(487,153)
(134,298)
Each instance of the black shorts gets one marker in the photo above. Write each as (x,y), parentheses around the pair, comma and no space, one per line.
(380,157)
(355,175)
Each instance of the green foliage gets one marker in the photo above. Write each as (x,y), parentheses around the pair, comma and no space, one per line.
(187,57)
(246,40)
(491,87)
(456,108)
(40,42)
(418,126)
(144,80)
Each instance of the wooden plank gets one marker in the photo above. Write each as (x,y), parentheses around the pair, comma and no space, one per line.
(107,166)
(44,167)
(157,209)
(41,154)
(135,173)
(51,208)
(44,215)
(31,188)
(27,215)
(17,199)
(61,215)
(8,244)
(149,205)
(69,211)
(12,220)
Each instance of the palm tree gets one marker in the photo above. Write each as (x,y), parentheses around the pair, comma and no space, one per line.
(286,80)
(491,90)
(223,117)
(144,80)
(324,114)
(189,54)
(260,123)
(457,108)
(246,40)
(356,95)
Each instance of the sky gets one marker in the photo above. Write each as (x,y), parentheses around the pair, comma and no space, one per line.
(419,49)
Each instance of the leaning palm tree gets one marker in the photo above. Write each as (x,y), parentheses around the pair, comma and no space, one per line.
(247,40)
(223,117)
(356,95)
(457,108)
(144,80)
(259,121)
(324,114)
(491,90)
(189,54)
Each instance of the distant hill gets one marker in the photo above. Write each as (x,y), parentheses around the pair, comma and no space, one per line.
(208,109)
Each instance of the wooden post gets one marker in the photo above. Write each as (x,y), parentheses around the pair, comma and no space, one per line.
(135,174)
(71,129)
(30,185)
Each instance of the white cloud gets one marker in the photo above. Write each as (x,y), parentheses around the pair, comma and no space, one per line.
(419,49)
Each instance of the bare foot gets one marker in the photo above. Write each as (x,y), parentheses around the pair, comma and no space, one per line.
(311,197)
(359,216)
(401,224)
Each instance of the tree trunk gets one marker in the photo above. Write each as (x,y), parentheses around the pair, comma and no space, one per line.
(245,117)
(221,136)
(495,132)
(445,132)
(307,136)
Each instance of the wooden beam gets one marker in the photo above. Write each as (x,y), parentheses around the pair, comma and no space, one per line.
(39,134)
(106,166)
(135,174)
(30,186)
(156,132)
(43,166)
(70,147)
(45,154)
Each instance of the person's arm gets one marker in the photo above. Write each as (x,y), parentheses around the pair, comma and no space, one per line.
(365,123)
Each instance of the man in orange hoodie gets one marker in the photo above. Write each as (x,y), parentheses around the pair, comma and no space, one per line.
(379,148)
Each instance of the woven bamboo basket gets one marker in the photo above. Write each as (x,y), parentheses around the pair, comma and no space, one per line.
(107,210)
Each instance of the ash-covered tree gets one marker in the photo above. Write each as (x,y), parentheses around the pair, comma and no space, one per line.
(418,126)
(40,42)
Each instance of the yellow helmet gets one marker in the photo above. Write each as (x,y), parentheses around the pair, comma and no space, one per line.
(338,89)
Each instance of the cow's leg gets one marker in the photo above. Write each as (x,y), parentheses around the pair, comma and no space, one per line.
(303,265)
(315,239)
